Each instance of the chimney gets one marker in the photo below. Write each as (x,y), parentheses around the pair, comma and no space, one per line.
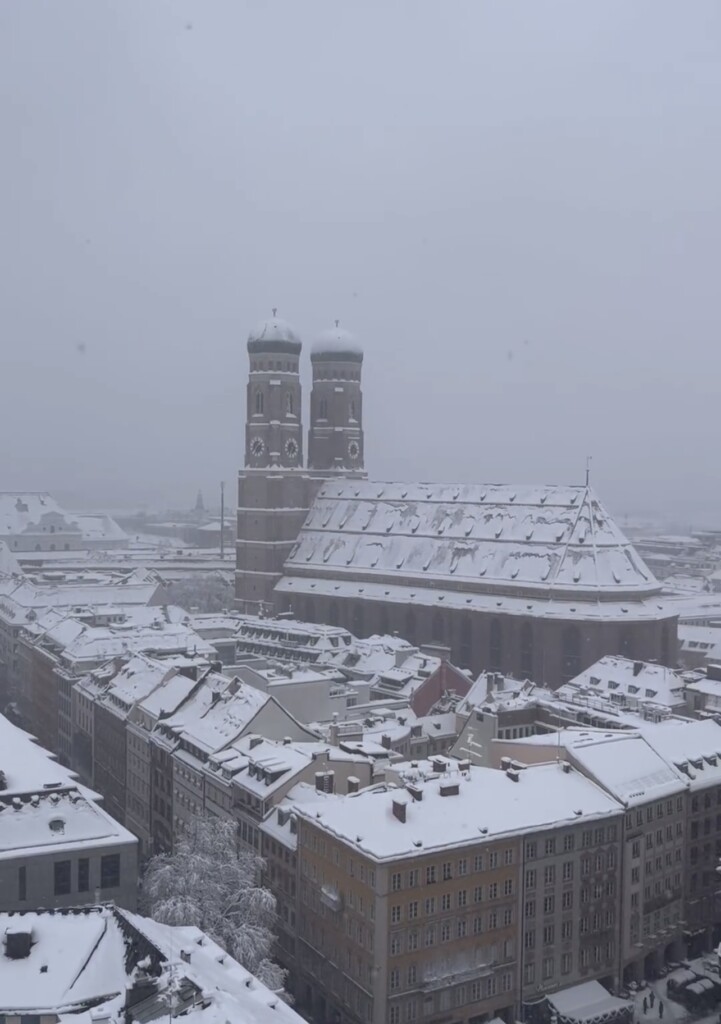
(399,809)
(334,732)
(500,681)
(637,667)
(325,782)
(450,789)
(254,741)
(18,942)
(566,767)
(505,763)
(353,784)
(464,765)
(415,791)
(386,741)
(513,774)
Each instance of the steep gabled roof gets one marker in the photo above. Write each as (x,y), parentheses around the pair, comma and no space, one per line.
(543,541)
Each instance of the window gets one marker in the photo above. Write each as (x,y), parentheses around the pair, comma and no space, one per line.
(83,874)
(547,967)
(412,976)
(493,891)
(495,645)
(62,877)
(110,871)
(530,850)
(566,962)
(550,847)
(478,862)
(446,901)
(461,929)
(395,945)
(396,881)
(508,887)
(508,856)
(567,900)
(569,842)
(394,979)
(413,878)
(526,650)
(463,866)
(412,910)
(549,874)
(446,931)
(352,410)
(571,665)
(478,894)
(493,860)
(259,403)
(568,871)
(531,879)
(323,409)
(567,930)
(530,909)
(462,897)
(447,873)
(430,905)
(22,883)
(395,914)
(549,904)
(394,1015)
(549,935)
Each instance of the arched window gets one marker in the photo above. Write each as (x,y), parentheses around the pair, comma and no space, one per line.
(289,404)
(437,627)
(259,403)
(665,646)
(495,645)
(358,619)
(465,648)
(410,626)
(571,663)
(383,621)
(625,644)
(323,409)
(352,409)
(527,650)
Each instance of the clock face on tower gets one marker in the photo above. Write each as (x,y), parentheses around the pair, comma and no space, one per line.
(257,447)
(353,450)
(291,449)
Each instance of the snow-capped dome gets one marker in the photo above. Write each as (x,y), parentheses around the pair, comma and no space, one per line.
(274,332)
(336,343)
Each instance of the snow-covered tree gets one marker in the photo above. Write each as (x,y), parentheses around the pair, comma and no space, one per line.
(209,592)
(209,883)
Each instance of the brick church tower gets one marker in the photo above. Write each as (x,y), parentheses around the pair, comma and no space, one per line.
(275,490)
(335,438)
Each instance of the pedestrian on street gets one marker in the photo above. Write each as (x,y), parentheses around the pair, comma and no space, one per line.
(660,1009)
(651,997)
(645,1005)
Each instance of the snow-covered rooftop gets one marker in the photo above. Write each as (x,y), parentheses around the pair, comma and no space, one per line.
(550,541)
(336,342)
(488,804)
(86,959)
(617,677)
(26,766)
(274,329)
(622,762)
(56,822)
(217,713)
(693,749)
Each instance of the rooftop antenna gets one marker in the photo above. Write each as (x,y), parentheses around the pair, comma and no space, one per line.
(588,470)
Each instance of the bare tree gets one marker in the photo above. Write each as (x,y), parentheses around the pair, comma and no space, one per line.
(208,883)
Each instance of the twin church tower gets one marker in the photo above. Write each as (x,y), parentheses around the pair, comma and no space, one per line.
(276,488)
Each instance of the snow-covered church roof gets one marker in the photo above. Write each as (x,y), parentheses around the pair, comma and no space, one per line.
(496,541)
(336,343)
(273,331)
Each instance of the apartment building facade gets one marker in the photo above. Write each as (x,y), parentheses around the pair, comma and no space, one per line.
(412,898)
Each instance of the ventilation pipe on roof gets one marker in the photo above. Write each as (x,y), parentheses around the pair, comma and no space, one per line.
(18,942)
(513,774)
(353,784)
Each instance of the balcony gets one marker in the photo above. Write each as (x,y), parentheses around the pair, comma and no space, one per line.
(331,898)
(446,976)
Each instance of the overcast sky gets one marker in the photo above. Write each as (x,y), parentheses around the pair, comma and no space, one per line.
(515,206)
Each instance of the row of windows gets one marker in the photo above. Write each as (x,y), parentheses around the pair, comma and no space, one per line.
(450,869)
(463,898)
(279,365)
(657,810)
(589,837)
(62,872)
(598,955)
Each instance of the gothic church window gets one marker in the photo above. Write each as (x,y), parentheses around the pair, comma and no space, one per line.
(495,645)
(527,650)
(571,653)
(289,404)
(352,410)
(323,409)
(259,403)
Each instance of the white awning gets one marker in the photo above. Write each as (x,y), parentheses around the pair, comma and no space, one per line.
(588,1003)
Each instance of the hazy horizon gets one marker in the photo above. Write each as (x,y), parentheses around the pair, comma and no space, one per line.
(515,209)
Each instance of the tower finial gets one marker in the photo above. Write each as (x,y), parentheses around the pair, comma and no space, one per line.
(275,310)
(337,323)
(588,470)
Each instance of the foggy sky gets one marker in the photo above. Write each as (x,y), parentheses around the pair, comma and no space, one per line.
(455,181)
